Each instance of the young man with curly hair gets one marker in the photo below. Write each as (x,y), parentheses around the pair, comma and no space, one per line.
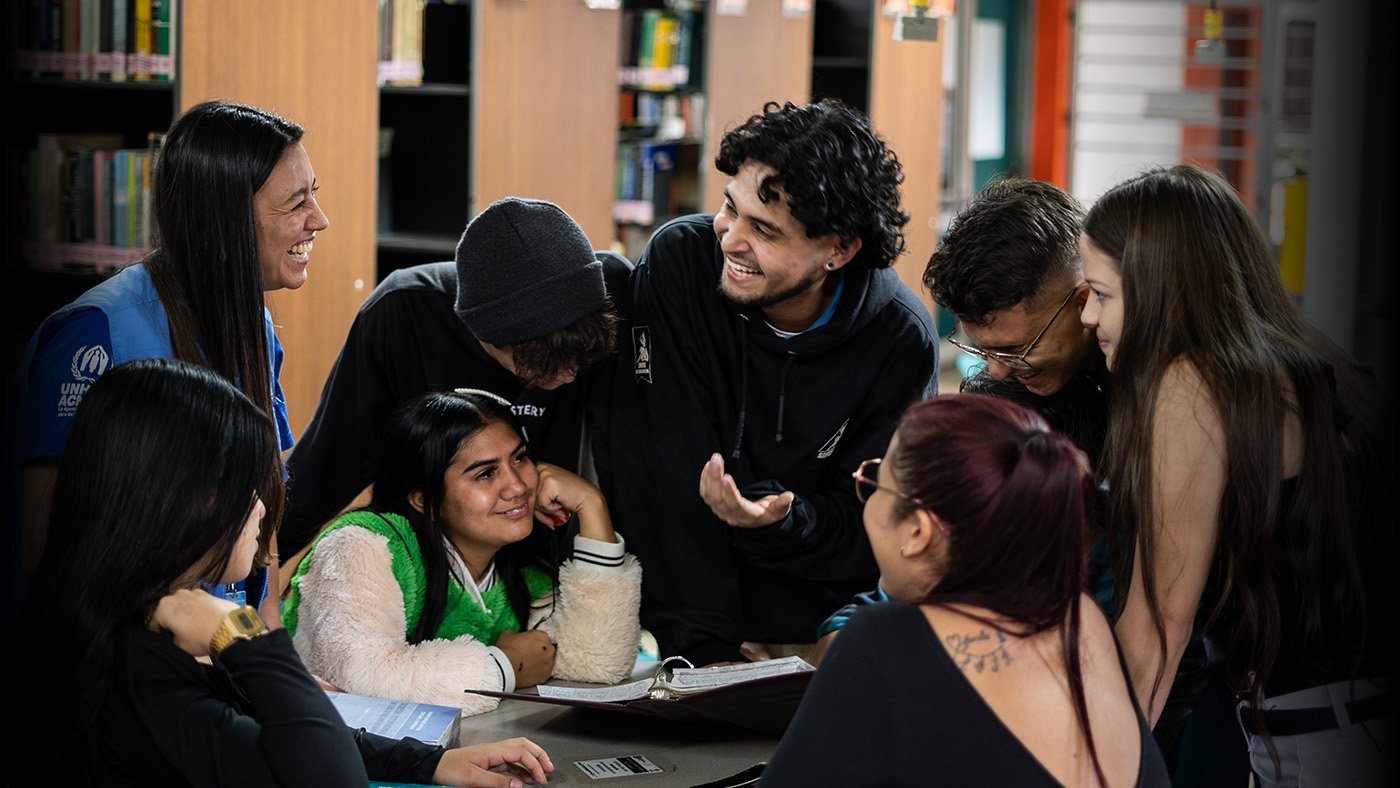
(522,312)
(769,350)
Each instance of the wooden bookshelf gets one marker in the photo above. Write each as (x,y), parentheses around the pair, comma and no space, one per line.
(738,64)
(313,62)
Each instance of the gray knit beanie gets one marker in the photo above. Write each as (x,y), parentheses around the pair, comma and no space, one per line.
(524,270)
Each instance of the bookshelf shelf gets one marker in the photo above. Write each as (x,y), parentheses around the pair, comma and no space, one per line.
(58,83)
(418,243)
(841,61)
(446,89)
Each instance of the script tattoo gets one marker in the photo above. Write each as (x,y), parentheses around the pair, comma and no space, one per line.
(979,651)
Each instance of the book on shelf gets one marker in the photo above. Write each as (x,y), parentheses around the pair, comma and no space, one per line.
(89,25)
(102,58)
(106,40)
(406,61)
(161,65)
(758,696)
(86,200)
(121,21)
(399,719)
(141,40)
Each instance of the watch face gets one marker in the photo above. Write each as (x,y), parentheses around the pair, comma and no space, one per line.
(246,620)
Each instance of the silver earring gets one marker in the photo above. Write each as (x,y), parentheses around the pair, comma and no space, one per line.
(831,265)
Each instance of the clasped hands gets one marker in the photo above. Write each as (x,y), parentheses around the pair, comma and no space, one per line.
(721,494)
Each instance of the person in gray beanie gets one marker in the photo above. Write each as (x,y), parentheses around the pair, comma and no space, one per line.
(522,312)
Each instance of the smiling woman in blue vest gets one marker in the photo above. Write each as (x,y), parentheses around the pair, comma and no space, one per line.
(234,214)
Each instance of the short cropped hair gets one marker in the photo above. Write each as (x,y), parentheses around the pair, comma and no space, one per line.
(1014,241)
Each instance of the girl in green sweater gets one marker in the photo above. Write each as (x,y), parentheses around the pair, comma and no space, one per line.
(450,578)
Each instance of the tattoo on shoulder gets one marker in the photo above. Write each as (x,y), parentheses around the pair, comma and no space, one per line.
(983,651)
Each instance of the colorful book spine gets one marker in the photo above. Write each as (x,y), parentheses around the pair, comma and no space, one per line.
(101,164)
(121,202)
(120,23)
(162,65)
(89,27)
(141,40)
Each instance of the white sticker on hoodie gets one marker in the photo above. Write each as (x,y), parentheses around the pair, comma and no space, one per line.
(641,353)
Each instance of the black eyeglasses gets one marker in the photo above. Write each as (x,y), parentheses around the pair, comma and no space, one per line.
(1013,361)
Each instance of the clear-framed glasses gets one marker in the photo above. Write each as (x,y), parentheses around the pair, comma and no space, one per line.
(867,476)
(1013,361)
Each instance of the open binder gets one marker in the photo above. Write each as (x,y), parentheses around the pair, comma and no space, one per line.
(761,697)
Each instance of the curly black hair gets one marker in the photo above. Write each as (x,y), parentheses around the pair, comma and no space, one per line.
(839,176)
(1014,240)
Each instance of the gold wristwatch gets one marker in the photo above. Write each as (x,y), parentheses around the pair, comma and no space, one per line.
(242,623)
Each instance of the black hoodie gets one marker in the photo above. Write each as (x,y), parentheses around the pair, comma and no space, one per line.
(405,342)
(695,375)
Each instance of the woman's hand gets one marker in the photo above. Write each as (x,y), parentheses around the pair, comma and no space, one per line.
(501,764)
(191,616)
(561,494)
(531,654)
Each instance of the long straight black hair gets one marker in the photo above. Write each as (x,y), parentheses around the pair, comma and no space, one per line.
(206,265)
(157,480)
(414,453)
(1201,284)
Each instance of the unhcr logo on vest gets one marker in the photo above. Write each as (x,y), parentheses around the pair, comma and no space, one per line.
(88,365)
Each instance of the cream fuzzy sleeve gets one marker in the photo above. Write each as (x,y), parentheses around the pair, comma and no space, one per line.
(593,618)
(351,626)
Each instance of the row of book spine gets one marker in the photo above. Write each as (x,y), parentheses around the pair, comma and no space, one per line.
(663,47)
(645,182)
(401,42)
(116,40)
(664,116)
(87,201)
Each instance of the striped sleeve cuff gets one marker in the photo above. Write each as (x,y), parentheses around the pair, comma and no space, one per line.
(503,664)
(592,551)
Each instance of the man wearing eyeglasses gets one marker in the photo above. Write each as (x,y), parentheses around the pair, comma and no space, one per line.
(1008,269)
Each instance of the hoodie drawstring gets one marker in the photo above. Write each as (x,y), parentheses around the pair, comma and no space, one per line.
(743,387)
(782,394)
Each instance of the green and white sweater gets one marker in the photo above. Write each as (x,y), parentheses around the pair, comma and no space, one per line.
(359,593)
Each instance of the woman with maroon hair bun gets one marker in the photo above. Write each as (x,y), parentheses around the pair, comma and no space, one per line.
(990,664)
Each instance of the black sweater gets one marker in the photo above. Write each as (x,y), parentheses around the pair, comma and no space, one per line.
(407,341)
(696,375)
(256,718)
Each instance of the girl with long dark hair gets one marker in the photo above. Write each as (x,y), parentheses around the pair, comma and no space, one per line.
(133,674)
(1245,467)
(991,665)
(445,582)
(233,215)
